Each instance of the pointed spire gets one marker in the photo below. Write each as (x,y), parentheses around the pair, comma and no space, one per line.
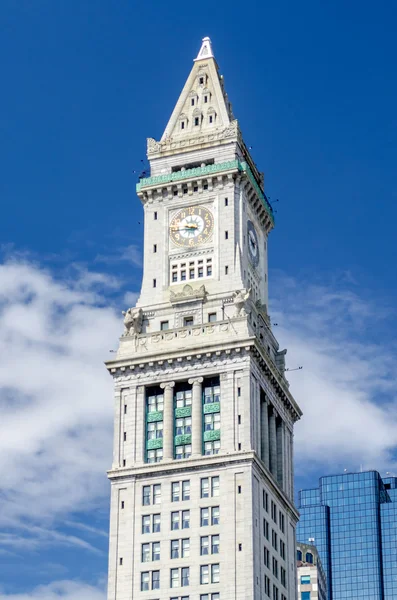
(205,50)
(203,107)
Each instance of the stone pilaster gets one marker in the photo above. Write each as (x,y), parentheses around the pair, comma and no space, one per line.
(265,432)
(273,442)
(280,452)
(168,433)
(197,416)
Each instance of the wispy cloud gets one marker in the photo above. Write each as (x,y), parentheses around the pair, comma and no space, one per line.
(65,590)
(347,388)
(55,397)
(131,254)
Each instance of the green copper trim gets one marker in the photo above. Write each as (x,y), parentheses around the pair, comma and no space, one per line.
(214,407)
(211,436)
(152,417)
(154,444)
(181,440)
(186,411)
(180,175)
(243,166)
(208,170)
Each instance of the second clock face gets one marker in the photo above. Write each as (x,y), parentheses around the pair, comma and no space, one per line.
(253,245)
(192,226)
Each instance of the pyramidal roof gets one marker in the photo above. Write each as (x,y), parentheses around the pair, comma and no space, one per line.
(203,105)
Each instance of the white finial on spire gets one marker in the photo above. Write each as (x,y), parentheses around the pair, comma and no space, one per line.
(205,50)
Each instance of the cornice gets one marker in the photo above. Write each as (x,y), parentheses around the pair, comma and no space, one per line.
(199,464)
(148,186)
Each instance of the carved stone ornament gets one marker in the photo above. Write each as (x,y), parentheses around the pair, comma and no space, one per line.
(133,318)
(240,298)
(188,293)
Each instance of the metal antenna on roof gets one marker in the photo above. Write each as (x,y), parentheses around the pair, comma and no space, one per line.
(297,369)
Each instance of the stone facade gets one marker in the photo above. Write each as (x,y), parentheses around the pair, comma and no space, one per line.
(312,582)
(203,429)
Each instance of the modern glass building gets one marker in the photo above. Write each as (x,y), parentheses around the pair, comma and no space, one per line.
(352,520)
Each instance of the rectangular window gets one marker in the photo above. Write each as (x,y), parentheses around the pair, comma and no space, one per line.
(266,557)
(305,595)
(305,579)
(212,422)
(266,529)
(282,549)
(157,493)
(204,545)
(182,124)
(214,573)
(274,511)
(283,577)
(200,272)
(226,235)
(212,447)
(183,451)
(156,523)
(192,101)
(205,489)
(145,554)
(186,548)
(154,283)
(186,490)
(188,321)
(226,201)
(185,519)
(146,524)
(196,121)
(204,574)
(175,521)
(156,551)
(174,549)
(215,544)
(164,325)
(211,317)
(154,248)
(205,99)
(174,276)
(215,515)
(155,215)
(191,273)
(265,501)
(175,490)
(209,270)
(210,118)
(183,399)
(146,495)
(214,486)
(183,426)
(183,275)
(174,578)
(267,586)
(204,517)
(145,581)
(226,270)
(185,576)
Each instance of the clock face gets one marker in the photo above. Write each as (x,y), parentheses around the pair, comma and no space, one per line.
(253,245)
(192,226)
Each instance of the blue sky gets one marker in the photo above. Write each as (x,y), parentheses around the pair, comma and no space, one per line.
(83,84)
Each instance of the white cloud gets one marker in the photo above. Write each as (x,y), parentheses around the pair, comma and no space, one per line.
(131,254)
(65,590)
(347,388)
(55,399)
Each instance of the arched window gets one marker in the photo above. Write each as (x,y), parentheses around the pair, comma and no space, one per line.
(309,557)
(298,555)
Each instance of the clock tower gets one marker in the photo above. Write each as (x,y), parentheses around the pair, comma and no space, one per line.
(202,476)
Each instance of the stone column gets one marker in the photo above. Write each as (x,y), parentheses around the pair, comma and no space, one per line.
(280,452)
(197,415)
(273,442)
(168,433)
(265,432)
